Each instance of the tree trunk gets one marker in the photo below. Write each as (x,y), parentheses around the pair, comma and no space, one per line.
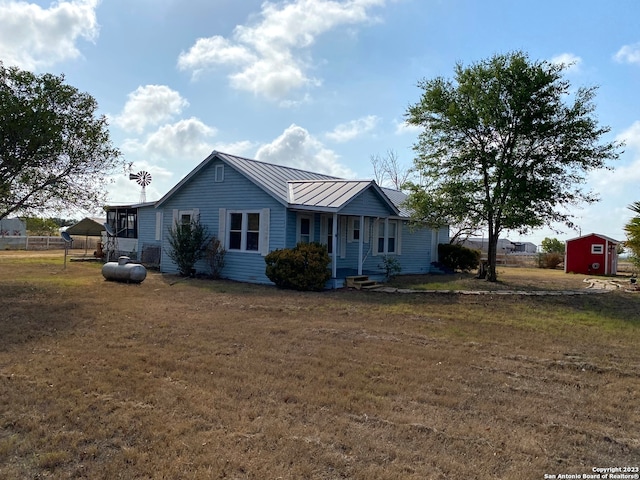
(492,275)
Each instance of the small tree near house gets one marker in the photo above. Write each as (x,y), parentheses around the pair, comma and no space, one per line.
(187,244)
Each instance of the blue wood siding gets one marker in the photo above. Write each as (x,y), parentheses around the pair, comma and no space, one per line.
(367,203)
(147,225)
(234,193)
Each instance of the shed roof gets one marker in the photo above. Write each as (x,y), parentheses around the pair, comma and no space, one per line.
(604,237)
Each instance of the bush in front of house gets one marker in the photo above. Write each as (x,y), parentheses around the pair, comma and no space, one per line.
(391,266)
(215,253)
(187,245)
(304,267)
(457,257)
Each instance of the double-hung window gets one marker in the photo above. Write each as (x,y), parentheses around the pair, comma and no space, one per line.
(244,231)
(354,229)
(387,236)
(305,229)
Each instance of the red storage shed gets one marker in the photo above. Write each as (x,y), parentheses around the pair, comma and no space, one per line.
(591,254)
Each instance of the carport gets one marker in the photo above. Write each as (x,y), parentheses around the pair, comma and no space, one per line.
(87,227)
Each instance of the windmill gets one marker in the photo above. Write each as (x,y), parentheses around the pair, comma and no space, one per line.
(143,179)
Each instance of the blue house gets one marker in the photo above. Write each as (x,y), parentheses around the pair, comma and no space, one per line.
(254,208)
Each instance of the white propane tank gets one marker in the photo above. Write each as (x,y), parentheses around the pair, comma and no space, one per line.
(124,270)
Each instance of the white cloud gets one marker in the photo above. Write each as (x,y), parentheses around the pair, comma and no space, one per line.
(150,105)
(34,38)
(628,54)
(214,50)
(297,148)
(622,176)
(353,129)
(404,128)
(631,137)
(270,57)
(243,148)
(569,60)
(186,141)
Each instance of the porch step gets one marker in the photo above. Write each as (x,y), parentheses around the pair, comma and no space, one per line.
(361,281)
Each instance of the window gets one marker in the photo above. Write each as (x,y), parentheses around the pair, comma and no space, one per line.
(597,248)
(391,237)
(244,231)
(235,232)
(124,222)
(185,218)
(305,229)
(326,232)
(354,229)
(387,232)
(253,231)
(330,235)
(219,174)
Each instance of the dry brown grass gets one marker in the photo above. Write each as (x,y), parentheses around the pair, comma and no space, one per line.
(197,379)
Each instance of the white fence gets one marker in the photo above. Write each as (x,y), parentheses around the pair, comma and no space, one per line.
(45,243)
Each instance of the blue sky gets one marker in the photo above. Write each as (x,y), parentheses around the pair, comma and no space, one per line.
(317,84)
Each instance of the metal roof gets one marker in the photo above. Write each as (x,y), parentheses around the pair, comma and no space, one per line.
(270,177)
(295,187)
(331,194)
(397,198)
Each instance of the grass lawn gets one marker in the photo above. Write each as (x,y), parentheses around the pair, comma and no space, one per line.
(198,379)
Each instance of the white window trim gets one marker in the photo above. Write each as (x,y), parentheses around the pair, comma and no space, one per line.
(352,229)
(218,176)
(178,214)
(299,218)
(263,231)
(597,249)
(376,236)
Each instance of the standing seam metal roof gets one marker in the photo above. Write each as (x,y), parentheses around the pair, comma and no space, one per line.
(292,186)
(327,193)
(272,178)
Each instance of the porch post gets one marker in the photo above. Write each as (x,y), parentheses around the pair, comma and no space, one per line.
(434,244)
(361,245)
(334,258)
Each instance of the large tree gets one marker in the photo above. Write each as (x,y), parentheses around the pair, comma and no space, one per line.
(55,151)
(506,142)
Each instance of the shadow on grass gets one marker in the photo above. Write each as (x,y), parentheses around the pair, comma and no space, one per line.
(30,313)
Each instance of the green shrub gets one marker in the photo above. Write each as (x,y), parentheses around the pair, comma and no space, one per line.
(391,266)
(187,245)
(457,257)
(304,267)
